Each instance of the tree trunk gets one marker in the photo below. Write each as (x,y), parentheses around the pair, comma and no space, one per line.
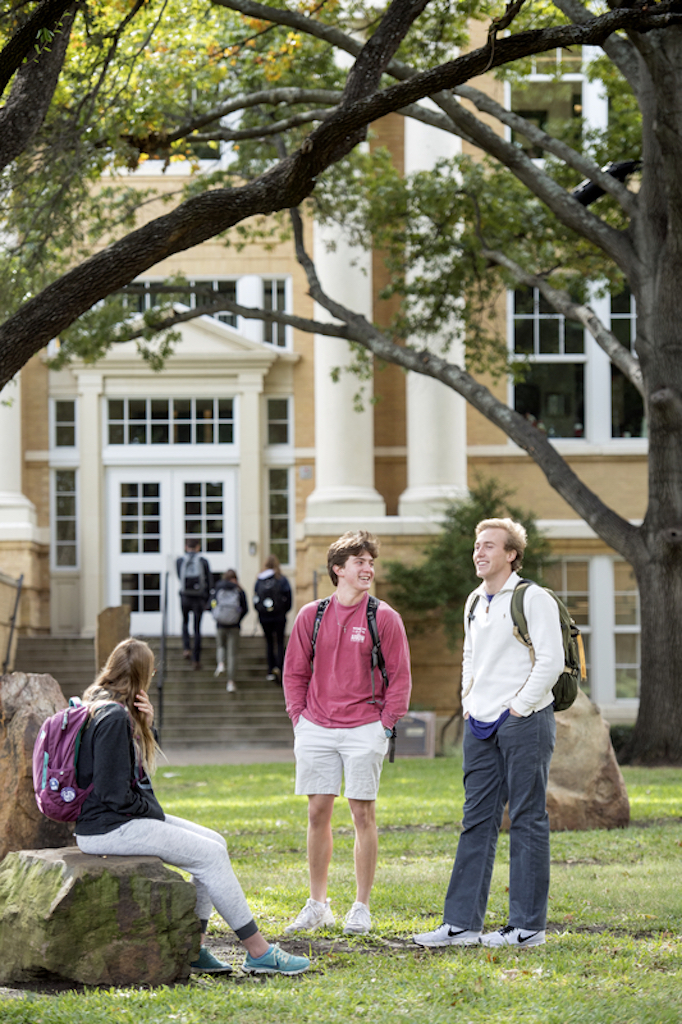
(657,737)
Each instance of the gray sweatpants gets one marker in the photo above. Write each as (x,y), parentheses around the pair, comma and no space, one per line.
(196,849)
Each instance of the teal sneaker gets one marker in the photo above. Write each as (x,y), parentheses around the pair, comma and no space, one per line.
(209,964)
(275,961)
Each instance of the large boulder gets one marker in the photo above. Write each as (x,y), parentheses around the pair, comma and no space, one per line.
(95,920)
(25,702)
(586,787)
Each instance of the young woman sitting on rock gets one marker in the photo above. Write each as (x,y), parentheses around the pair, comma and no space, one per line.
(122,815)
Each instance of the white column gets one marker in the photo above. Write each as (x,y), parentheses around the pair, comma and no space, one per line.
(602,621)
(344,437)
(91,500)
(436,415)
(17,513)
(436,447)
(250,539)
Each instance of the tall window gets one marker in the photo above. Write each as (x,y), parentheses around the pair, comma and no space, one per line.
(65,423)
(274,298)
(144,421)
(552,106)
(278,421)
(204,514)
(552,392)
(627,406)
(140,518)
(278,520)
(65,518)
(569,579)
(627,630)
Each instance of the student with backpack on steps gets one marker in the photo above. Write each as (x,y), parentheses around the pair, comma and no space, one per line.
(228,608)
(195,586)
(272,601)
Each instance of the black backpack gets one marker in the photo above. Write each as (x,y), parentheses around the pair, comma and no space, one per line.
(377,655)
(565,690)
(271,600)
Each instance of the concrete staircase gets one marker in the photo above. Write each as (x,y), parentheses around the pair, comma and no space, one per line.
(197,710)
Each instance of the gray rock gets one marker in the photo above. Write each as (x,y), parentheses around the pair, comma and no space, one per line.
(95,920)
(586,786)
(25,702)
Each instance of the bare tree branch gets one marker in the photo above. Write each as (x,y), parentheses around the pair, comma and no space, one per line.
(263,131)
(224,305)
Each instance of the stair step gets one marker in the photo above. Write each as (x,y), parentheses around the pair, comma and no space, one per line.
(197,710)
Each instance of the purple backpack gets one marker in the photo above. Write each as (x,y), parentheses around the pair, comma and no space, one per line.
(55,755)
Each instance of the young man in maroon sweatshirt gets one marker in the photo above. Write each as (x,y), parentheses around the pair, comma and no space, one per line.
(343,716)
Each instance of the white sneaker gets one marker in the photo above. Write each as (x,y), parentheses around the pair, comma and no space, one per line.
(509,936)
(219,669)
(231,686)
(314,915)
(358,920)
(447,935)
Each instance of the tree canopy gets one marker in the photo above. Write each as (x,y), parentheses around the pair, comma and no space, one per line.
(292,88)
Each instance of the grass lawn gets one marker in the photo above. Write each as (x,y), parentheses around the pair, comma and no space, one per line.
(613,956)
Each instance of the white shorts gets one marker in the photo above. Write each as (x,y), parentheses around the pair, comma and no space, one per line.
(324,755)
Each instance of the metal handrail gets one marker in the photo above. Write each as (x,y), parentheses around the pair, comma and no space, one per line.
(12,623)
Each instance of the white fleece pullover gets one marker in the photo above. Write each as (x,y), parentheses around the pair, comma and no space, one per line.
(497,671)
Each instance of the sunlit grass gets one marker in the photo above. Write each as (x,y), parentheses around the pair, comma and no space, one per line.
(614,954)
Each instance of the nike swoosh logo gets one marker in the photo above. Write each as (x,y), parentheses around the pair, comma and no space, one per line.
(525,938)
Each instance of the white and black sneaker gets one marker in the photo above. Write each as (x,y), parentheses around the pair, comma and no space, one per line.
(447,935)
(509,936)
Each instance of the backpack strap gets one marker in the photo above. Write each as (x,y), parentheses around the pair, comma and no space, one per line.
(518,615)
(378,662)
(321,608)
(472,610)
(377,655)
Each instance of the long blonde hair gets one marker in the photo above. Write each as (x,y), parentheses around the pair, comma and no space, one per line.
(128,670)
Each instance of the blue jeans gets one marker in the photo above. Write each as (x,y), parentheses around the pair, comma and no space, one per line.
(513,765)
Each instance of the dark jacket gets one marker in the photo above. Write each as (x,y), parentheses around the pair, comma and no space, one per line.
(272,597)
(231,585)
(107,759)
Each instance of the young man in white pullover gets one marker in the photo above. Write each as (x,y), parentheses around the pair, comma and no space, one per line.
(509,737)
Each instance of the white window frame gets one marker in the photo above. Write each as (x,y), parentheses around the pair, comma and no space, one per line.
(289,422)
(291,495)
(54,542)
(191,445)
(537,358)
(63,450)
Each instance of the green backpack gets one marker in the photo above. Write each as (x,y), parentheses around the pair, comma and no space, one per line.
(566,688)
